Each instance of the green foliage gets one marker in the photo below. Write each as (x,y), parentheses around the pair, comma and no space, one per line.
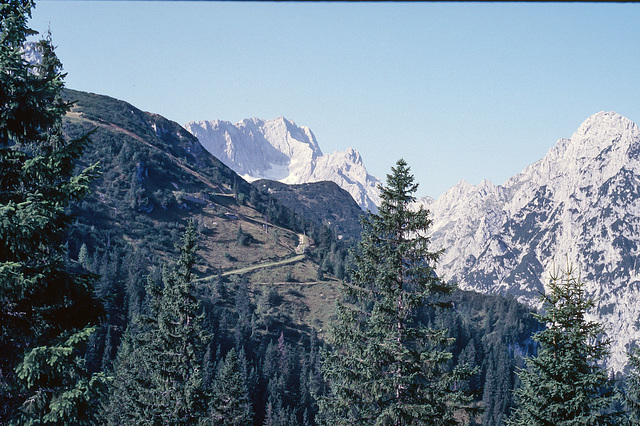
(266,303)
(243,238)
(565,384)
(492,333)
(230,403)
(632,382)
(58,377)
(387,367)
(158,377)
(43,301)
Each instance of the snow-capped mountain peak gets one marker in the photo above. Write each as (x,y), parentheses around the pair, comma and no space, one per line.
(603,128)
(280,150)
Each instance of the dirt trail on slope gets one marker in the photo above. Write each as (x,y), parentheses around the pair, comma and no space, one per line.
(300,249)
(262,265)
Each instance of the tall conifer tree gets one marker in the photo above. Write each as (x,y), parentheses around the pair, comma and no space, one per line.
(387,367)
(230,404)
(565,384)
(158,371)
(46,307)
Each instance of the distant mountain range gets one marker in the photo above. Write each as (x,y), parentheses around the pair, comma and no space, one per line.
(580,203)
(280,150)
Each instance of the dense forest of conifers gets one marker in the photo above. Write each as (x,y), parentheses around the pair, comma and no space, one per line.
(117,308)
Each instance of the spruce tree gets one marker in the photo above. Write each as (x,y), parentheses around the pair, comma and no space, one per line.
(565,384)
(127,402)
(230,404)
(47,307)
(387,367)
(632,385)
(158,371)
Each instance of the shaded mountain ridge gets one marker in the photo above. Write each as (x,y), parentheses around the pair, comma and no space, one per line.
(324,203)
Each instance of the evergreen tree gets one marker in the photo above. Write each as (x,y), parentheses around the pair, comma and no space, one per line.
(127,401)
(632,382)
(387,366)
(243,238)
(158,377)
(565,383)
(83,257)
(230,403)
(243,308)
(46,306)
(266,306)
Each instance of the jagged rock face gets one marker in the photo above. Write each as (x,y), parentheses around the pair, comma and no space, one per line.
(580,203)
(31,52)
(279,150)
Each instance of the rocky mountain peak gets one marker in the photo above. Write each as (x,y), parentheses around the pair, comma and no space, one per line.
(580,203)
(603,138)
(283,134)
(280,150)
(604,126)
(353,156)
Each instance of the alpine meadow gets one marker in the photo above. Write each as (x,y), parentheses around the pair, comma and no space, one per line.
(221,274)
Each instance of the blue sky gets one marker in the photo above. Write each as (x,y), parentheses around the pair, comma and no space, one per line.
(460,90)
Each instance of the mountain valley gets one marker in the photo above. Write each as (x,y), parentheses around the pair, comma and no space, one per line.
(220,273)
(579,204)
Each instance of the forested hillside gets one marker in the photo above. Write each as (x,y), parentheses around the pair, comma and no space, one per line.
(323,203)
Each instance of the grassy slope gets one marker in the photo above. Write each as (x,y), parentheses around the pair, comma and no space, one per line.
(160,159)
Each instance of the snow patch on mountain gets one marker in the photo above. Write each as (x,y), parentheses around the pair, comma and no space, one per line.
(280,150)
(580,203)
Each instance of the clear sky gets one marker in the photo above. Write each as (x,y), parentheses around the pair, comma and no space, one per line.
(460,90)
